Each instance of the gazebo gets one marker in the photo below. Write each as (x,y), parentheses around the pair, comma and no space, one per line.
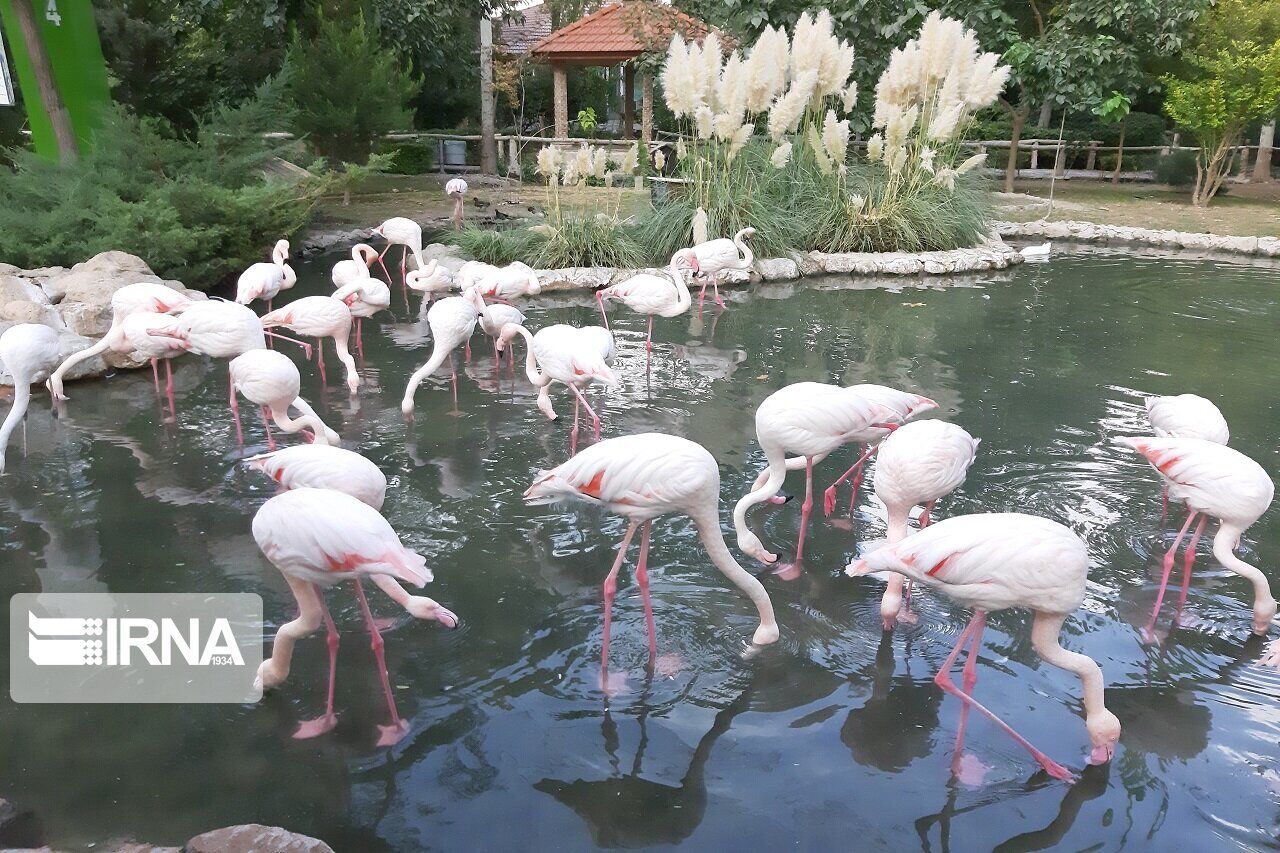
(614,34)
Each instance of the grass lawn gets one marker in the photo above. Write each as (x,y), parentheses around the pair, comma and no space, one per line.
(1247,210)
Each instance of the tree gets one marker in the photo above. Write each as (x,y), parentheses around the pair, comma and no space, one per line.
(348,90)
(1114,110)
(1227,90)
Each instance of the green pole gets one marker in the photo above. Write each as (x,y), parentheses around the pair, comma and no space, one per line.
(60,69)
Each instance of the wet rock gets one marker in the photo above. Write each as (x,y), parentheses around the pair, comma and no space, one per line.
(16,288)
(777,269)
(85,318)
(439,251)
(254,838)
(31,312)
(19,827)
(578,278)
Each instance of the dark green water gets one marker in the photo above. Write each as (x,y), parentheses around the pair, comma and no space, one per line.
(834,738)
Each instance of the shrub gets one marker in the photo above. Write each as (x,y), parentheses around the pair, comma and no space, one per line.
(412,158)
(1178,170)
(494,247)
(196,209)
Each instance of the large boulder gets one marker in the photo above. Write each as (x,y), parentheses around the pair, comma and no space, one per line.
(68,343)
(95,280)
(31,312)
(777,269)
(254,838)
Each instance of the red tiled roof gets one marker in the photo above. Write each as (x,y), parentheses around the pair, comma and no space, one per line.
(619,31)
(520,31)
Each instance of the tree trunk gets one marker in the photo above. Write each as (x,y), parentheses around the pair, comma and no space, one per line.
(50,100)
(560,94)
(646,112)
(1015,136)
(1046,113)
(1262,166)
(488,143)
(1115,176)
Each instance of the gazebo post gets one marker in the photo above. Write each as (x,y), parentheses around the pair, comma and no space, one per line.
(560,86)
(646,109)
(628,101)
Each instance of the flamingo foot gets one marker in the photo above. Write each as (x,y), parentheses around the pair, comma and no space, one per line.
(1057,771)
(314,728)
(1271,657)
(392,734)
(384,623)
(788,571)
(829,500)
(840,523)
(969,770)
(669,665)
(613,683)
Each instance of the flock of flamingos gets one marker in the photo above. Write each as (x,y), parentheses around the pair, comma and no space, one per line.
(325,526)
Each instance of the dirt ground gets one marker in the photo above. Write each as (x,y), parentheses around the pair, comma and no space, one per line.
(1247,209)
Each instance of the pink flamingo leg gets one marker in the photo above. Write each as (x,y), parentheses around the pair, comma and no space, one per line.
(829,496)
(1188,558)
(266,423)
(943,680)
(466,351)
(394,733)
(360,337)
(610,590)
(155,374)
(702,294)
(235,410)
(642,578)
(573,433)
(862,465)
(168,387)
(595,419)
(306,347)
(453,374)
(385,271)
(969,681)
(324,380)
(327,721)
(1147,632)
(603,316)
(791,571)
(715,284)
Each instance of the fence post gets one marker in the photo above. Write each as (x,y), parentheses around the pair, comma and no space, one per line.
(1060,160)
(1243,174)
(1093,156)
(1035,154)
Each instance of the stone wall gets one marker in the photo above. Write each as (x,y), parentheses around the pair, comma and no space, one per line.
(1092,232)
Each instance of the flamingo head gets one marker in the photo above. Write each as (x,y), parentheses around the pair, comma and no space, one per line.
(378,232)
(1104,734)
(505,334)
(753,547)
(535,286)
(421,607)
(882,559)
(367,253)
(920,404)
(686,260)
(280,253)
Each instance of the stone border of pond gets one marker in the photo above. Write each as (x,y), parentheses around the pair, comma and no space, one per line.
(1094,232)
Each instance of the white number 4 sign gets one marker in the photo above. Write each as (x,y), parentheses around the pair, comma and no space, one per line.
(51,13)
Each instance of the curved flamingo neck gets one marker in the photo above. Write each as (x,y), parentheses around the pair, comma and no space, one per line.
(706,519)
(748,256)
(21,399)
(683,298)
(530,360)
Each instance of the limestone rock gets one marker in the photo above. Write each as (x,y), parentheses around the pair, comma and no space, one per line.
(777,269)
(85,318)
(576,278)
(31,312)
(15,288)
(253,838)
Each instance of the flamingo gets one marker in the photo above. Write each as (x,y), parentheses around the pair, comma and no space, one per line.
(344,272)
(472,273)
(917,464)
(318,538)
(407,234)
(271,380)
(456,189)
(573,356)
(1185,416)
(430,281)
(130,299)
(1212,480)
(501,283)
(29,352)
(319,317)
(266,280)
(452,321)
(653,294)
(992,561)
(641,477)
(716,256)
(495,318)
(364,298)
(320,466)
(154,337)
(814,419)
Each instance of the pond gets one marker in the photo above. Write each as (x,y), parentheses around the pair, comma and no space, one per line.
(836,732)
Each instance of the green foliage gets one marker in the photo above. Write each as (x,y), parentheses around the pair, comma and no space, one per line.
(586,241)
(1177,168)
(494,247)
(348,89)
(197,209)
(412,158)
(587,120)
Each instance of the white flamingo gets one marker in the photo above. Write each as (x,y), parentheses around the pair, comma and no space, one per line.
(918,463)
(405,233)
(994,561)
(271,380)
(156,338)
(430,281)
(29,352)
(1212,480)
(364,297)
(456,189)
(354,268)
(502,283)
(1185,416)
(813,419)
(642,477)
(452,321)
(717,256)
(651,294)
(130,299)
(318,538)
(266,280)
(320,317)
(573,356)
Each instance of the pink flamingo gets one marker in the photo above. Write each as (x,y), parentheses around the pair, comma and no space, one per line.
(318,538)
(716,256)
(572,356)
(155,337)
(265,281)
(430,281)
(319,317)
(500,283)
(813,419)
(364,298)
(641,477)
(456,189)
(993,561)
(320,466)
(452,321)
(270,380)
(130,299)
(918,463)
(344,272)
(407,234)
(1212,480)
(650,294)
(29,352)
(1185,416)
